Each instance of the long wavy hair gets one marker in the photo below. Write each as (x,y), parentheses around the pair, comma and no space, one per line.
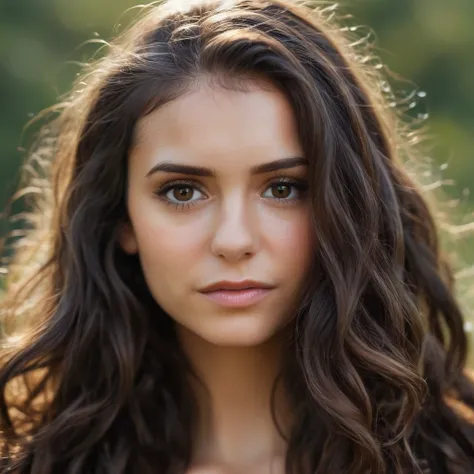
(92,379)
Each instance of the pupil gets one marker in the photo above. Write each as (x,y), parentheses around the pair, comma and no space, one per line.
(182,192)
(281,189)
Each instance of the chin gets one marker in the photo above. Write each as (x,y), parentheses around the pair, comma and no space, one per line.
(234,340)
(238,331)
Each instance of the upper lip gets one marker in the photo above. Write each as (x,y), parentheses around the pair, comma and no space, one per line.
(235,285)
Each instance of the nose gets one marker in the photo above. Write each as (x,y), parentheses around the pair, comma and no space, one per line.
(235,232)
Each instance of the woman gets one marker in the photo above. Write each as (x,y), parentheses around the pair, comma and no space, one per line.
(233,271)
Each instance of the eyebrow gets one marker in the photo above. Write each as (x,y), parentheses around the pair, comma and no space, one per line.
(276,165)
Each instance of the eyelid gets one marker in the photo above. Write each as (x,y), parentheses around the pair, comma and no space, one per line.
(301,184)
(197,184)
(191,182)
(178,182)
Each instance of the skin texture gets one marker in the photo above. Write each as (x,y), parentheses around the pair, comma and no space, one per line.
(236,228)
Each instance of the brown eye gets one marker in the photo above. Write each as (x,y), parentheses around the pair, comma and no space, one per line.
(281,190)
(286,190)
(182,193)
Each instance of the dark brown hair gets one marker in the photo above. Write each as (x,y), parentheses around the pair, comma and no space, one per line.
(92,379)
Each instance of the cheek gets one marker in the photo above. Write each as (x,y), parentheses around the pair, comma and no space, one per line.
(168,249)
(290,240)
(172,244)
(167,258)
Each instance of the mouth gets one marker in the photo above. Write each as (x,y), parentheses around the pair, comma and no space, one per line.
(237,298)
(237,294)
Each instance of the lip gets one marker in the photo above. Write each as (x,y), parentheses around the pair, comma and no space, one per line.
(237,298)
(237,294)
(235,285)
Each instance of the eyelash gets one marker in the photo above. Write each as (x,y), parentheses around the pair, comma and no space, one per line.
(300,185)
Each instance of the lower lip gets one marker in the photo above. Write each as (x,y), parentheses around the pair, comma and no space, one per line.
(237,298)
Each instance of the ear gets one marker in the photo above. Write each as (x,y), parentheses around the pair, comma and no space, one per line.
(126,238)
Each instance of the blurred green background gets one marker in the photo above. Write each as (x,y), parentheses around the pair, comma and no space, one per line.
(429,43)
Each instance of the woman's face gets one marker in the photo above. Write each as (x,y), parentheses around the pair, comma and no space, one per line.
(222,219)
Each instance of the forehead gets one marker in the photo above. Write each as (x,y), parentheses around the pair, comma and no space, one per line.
(212,122)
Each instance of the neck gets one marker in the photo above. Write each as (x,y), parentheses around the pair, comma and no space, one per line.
(235,422)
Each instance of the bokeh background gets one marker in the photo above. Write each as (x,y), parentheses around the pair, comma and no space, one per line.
(427,44)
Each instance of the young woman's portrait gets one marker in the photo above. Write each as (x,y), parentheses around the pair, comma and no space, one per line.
(228,267)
